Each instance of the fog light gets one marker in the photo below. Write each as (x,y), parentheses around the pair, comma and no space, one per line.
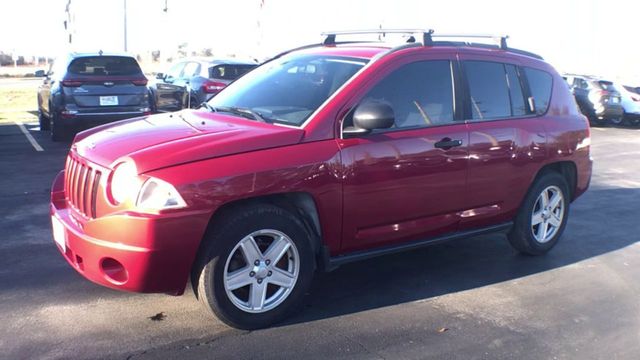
(114,271)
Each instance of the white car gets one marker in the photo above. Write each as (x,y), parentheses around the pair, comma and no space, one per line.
(630,100)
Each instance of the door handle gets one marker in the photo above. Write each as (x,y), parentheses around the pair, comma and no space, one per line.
(447,143)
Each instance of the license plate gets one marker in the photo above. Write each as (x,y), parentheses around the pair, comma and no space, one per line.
(108,100)
(615,100)
(59,234)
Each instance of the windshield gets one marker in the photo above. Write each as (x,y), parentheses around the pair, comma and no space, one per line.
(288,90)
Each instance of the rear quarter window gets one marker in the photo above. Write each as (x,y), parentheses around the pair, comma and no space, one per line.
(104,66)
(229,72)
(540,83)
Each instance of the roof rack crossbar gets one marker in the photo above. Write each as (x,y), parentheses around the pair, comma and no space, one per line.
(330,36)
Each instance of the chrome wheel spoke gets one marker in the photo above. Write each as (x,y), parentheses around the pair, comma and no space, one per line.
(250,249)
(537,218)
(555,220)
(555,201)
(277,249)
(544,199)
(239,278)
(282,278)
(257,295)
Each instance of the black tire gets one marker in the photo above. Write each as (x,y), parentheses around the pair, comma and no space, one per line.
(632,120)
(58,132)
(45,124)
(521,235)
(616,121)
(220,244)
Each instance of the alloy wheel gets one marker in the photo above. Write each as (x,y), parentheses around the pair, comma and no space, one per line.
(261,271)
(548,214)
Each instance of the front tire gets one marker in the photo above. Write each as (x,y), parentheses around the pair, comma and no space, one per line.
(542,217)
(254,267)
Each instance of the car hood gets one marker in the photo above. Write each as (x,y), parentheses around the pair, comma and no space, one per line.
(158,141)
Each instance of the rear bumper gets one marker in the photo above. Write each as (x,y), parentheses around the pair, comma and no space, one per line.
(609,111)
(85,120)
(131,252)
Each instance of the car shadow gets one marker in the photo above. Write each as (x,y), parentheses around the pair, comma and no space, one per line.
(471,263)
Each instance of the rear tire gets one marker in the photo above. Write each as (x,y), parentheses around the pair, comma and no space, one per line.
(58,132)
(270,280)
(543,215)
(45,124)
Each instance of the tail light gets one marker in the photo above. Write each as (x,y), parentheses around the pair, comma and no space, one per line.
(635,97)
(71,83)
(139,82)
(212,86)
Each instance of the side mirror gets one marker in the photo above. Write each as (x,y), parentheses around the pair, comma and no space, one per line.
(160,76)
(369,116)
(39,73)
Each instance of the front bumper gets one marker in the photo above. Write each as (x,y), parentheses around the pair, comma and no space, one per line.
(132,252)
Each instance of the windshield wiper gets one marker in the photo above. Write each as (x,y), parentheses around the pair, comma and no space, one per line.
(244,112)
(208,107)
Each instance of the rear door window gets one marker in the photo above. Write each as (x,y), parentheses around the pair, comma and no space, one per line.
(540,83)
(228,71)
(104,66)
(488,90)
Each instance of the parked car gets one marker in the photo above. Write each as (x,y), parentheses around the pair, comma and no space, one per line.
(82,90)
(200,78)
(324,155)
(630,100)
(598,99)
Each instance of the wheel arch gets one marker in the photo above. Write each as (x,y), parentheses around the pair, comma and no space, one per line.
(300,204)
(567,169)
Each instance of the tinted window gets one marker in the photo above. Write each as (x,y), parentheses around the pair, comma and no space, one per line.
(515,92)
(104,65)
(488,90)
(420,93)
(229,72)
(540,86)
(291,88)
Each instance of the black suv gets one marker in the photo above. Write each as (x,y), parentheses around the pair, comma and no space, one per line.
(82,90)
(201,78)
(598,99)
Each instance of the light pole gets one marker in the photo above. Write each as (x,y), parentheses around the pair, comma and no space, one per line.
(125,25)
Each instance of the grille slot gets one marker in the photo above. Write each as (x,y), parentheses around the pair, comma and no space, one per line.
(81,186)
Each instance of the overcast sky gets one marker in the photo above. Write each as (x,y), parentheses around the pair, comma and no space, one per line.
(586,36)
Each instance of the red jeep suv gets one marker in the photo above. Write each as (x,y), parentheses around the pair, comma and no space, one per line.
(324,155)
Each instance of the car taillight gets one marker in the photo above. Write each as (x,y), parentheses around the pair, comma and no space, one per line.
(212,86)
(635,97)
(139,82)
(71,83)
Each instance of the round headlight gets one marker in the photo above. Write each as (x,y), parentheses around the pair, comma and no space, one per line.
(124,182)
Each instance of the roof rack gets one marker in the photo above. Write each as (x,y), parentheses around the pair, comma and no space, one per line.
(428,36)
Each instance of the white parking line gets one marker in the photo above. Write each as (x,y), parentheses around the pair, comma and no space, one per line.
(29,137)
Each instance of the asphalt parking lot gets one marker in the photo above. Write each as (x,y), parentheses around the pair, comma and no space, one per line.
(471,299)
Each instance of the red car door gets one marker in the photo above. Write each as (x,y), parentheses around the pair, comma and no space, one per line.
(407,182)
(506,143)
